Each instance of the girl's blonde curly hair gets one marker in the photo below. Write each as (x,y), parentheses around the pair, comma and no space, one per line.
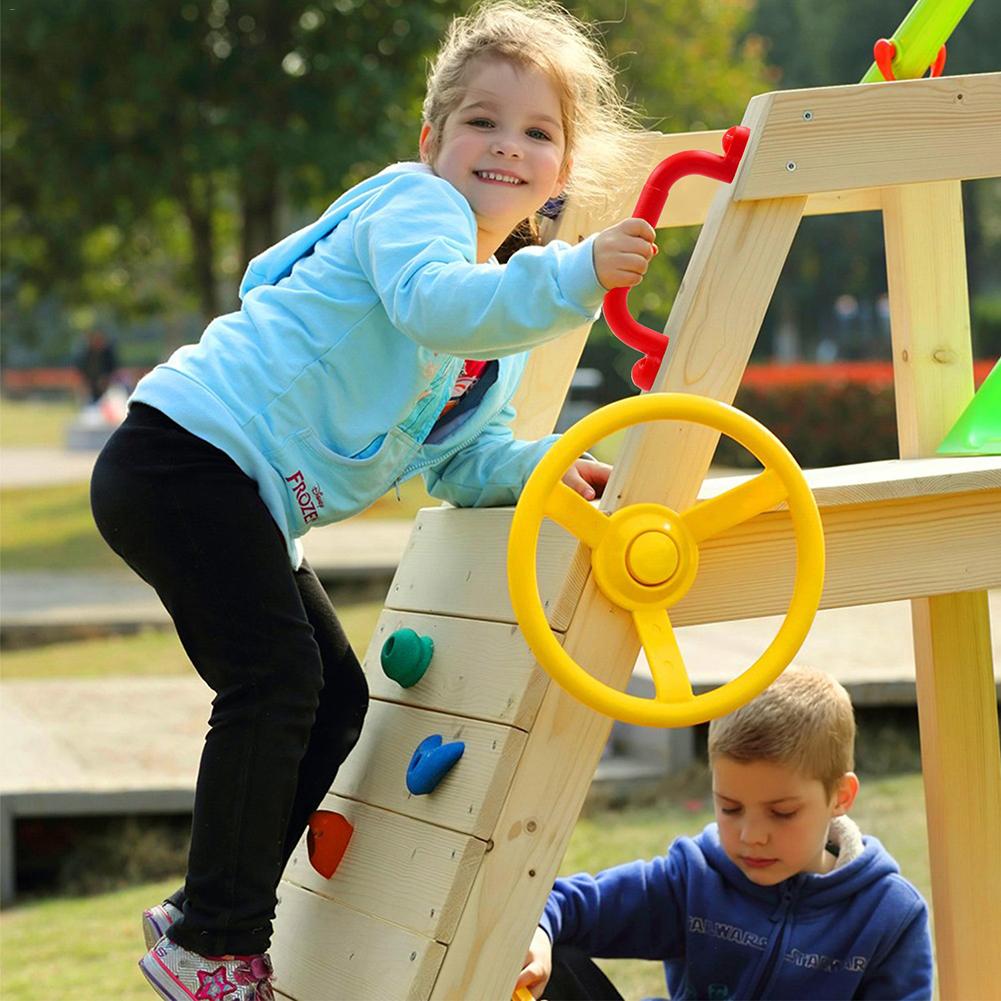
(599,128)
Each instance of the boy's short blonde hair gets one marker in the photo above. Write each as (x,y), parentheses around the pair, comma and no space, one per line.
(597,125)
(804,720)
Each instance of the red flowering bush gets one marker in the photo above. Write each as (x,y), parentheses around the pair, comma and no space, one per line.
(822,424)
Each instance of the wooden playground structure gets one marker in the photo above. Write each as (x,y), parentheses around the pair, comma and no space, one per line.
(437,895)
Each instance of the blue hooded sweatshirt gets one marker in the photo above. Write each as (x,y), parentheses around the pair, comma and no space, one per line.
(859,931)
(325,385)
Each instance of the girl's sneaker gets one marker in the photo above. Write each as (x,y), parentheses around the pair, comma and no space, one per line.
(177,974)
(156,921)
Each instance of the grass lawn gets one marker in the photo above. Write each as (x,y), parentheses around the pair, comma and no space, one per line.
(151,652)
(45,954)
(35,423)
(47,528)
(51,528)
(78,949)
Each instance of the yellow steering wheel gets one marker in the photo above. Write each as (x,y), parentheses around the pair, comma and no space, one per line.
(645,558)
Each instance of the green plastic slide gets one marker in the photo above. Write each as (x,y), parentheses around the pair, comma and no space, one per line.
(978,430)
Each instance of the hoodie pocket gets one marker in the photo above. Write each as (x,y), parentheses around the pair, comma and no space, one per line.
(323,486)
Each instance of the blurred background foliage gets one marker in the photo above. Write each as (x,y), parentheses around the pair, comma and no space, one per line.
(149,150)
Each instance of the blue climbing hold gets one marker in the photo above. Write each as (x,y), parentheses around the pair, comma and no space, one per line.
(430,763)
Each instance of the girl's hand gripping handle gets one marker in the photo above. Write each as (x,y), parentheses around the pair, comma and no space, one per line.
(649,207)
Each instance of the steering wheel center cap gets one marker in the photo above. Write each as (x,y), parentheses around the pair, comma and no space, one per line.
(652,558)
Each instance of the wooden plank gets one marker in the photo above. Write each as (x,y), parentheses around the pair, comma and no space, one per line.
(864,136)
(545,384)
(322,952)
(929,311)
(468,798)
(456,564)
(891,508)
(960,748)
(690,198)
(885,480)
(875,553)
(430,870)
(957,708)
(479,669)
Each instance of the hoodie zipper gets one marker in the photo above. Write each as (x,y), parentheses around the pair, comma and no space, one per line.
(781,914)
(413,470)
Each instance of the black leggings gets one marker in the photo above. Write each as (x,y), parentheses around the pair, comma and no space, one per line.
(290,696)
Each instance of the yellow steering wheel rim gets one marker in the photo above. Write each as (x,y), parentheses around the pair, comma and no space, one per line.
(637,569)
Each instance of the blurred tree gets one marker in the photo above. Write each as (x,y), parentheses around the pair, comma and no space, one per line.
(118,115)
(685,67)
(150,149)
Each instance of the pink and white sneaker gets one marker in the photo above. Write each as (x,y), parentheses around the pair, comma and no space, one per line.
(156,920)
(177,974)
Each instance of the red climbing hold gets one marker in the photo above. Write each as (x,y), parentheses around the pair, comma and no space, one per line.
(327,840)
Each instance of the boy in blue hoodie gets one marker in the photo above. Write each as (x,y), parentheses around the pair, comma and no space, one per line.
(781,898)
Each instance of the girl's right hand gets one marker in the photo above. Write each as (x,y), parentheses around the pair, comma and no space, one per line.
(538,964)
(622,253)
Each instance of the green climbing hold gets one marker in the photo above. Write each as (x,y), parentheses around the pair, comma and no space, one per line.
(406,656)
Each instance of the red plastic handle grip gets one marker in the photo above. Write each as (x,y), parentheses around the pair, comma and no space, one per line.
(650,206)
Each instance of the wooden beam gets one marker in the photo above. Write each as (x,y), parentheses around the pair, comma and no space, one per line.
(884,538)
(875,553)
(690,199)
(873,135)
(885,480)
(961,757)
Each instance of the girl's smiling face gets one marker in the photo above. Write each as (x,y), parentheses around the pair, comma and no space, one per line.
(773,821)
(502,147)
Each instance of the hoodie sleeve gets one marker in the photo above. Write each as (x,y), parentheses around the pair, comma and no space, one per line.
(630,911)
(903,970)
(491,471)
(415,241)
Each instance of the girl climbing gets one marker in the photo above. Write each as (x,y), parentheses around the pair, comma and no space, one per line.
(384,340)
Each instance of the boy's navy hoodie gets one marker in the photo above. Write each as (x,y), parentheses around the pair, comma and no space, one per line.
(859,931)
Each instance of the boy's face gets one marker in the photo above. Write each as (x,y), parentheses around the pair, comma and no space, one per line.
(502,147)
(773,822)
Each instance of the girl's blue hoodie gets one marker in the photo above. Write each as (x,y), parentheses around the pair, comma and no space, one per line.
(324,386)
(859,931)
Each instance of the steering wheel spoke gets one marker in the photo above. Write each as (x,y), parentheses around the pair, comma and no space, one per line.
(670,678)
(569,510)
(715,516)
